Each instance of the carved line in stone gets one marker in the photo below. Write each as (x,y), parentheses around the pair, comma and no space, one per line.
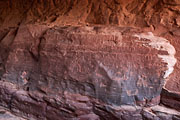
(163,44)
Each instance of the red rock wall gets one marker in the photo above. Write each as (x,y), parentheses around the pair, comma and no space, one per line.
(76,59)
(82,70)
(136,13)
(104,63)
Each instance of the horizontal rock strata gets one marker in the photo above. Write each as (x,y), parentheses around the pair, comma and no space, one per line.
(90,59)
(104,63)
(72,106)
(77,72)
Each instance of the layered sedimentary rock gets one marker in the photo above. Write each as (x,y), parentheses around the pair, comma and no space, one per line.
(90,59)
(102,62)
(68,72)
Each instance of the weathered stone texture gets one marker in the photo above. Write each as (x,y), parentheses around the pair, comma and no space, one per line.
(137,13)
(69,72)
(103,63)
(90,59)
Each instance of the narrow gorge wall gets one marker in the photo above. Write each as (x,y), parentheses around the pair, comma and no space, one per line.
(90,59)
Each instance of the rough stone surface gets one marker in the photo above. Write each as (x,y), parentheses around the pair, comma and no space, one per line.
(100,62)
(159,16)
(6,115)
(170,99)
(80,72)
(72,106)
(90,59)
(137,13)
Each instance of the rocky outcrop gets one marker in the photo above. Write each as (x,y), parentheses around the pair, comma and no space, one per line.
(101,62)
(136,13)
(159,16)
(81,72)
(6,115)
(73,106)
(90,59)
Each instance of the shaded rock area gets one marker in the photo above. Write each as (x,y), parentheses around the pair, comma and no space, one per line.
(170,99)
(72,106)
(6,115)
(159,16)
(90,59)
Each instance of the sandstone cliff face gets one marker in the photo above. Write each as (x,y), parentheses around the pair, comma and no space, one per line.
(90,59)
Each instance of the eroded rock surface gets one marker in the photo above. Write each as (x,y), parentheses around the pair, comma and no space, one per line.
(159,16)
(139,13)
(6,115)
(61,59)
(104,63)
(77,72)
